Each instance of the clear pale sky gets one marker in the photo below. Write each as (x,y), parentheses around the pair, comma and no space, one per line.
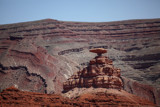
(13,11)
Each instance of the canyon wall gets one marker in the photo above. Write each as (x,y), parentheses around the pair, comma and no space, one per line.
(40,55)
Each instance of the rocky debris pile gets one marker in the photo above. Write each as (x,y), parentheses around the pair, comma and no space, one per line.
(100,73)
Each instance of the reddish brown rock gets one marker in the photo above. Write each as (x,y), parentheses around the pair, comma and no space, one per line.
(142,90)
(107,97)
(43,54)
(99,51)
(13,97)
(93,61)
(99,73)
(112,99)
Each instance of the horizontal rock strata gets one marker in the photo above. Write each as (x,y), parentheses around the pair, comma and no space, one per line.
(53,50)
(13,97)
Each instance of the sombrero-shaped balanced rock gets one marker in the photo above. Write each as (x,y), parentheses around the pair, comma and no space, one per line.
(99,51)
(100,73)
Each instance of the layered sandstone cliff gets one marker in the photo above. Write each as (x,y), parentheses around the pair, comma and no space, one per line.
(45,53)
(99,84)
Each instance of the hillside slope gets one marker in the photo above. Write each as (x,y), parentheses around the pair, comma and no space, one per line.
(12,97)
(39,56)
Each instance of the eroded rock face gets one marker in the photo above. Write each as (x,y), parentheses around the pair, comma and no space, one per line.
(99,73)
(114,98)
(142,90)
(50,51)
(13,97)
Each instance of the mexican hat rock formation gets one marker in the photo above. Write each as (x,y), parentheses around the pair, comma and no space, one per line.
(100,73)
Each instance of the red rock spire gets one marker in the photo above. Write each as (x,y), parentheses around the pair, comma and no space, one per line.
(100,73)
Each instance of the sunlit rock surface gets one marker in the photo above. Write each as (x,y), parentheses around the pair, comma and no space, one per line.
(40,55)
(100,73)
(13,97)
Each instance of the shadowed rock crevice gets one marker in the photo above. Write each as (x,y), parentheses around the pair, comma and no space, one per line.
(70,50)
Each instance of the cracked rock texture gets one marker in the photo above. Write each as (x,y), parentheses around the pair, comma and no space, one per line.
(47,52)
(100,73)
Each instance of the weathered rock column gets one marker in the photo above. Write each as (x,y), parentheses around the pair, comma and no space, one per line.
(100,73)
